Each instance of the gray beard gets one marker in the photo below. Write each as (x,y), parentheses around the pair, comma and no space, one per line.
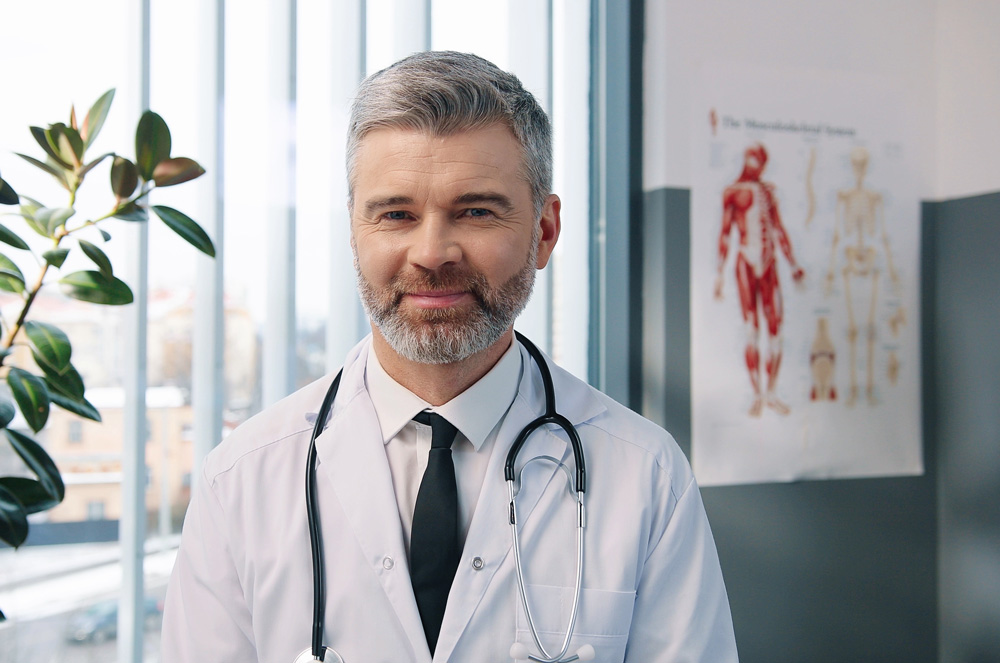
(445,337)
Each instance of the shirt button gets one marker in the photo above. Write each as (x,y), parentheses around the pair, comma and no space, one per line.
(387,563)
(478,563)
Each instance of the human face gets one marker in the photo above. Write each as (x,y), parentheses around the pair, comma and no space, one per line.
(445,239)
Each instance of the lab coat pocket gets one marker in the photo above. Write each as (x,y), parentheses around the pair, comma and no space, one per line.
(603,620)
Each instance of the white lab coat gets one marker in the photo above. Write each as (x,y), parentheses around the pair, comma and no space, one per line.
(241,589)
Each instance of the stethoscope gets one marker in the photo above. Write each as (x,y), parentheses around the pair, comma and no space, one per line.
(518,651)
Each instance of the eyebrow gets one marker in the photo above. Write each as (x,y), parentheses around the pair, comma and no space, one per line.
(472,198)
(498,199)
(373,206)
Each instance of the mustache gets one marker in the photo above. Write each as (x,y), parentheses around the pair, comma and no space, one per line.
(445,279)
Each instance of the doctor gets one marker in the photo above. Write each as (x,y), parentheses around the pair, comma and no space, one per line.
(449,168)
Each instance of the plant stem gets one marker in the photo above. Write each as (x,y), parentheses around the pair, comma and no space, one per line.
(8,339)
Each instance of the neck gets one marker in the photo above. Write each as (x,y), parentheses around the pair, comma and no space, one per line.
(438,383)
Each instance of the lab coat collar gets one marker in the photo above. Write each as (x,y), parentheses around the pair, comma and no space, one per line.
(475,412)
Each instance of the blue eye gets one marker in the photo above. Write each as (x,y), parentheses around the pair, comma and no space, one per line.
(479,211)
(396,216)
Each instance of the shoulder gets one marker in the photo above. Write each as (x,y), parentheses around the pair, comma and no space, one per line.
(730,191)
(284,427)
(631,430)
(622,431)
(290,418)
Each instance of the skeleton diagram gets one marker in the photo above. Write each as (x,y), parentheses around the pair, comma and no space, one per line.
(749,204)
(859,212)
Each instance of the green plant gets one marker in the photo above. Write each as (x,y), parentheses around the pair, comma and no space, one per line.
(56,382)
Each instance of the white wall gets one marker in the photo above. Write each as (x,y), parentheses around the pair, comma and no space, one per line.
(891,38)
(968,97)
(945,54)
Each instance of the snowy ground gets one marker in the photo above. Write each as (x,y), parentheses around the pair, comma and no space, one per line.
(42,587)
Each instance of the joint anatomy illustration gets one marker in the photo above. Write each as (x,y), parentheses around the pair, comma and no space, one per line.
(750,205)
(822,358)
(861,218)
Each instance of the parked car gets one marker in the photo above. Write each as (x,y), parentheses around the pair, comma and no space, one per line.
(99,622)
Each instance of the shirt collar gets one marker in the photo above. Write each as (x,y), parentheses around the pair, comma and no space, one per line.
(474,412)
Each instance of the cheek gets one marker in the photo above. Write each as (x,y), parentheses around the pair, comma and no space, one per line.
(376,261)
(501,260)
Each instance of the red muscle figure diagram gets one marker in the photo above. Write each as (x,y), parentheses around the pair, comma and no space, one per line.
(750,206)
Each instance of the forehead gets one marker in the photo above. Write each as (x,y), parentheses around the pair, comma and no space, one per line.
(411,158)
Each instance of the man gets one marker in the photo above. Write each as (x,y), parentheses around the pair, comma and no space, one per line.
(749,204)
(449,167)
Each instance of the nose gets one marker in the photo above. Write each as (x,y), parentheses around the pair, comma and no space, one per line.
(434,244)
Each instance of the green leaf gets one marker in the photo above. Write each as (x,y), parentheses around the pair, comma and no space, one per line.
(28,212)
(105,234)
(30,493)
(11,278)
(40,463)
(152,143)
(59,139)
(124,177)
(94,287)
(51,218)
(13,519)
(98,257)
(8,236)
(184,226)
(90,166)
(176,171)
(132,212)
(67,382)
(72,137)
(7,194)
(29,206)
(57,173)
(95,117)
(31,396)
(80,406)
(56,257)
(51,345)
(42,138)
(7,412)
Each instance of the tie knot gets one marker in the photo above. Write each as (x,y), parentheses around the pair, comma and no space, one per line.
(442,431)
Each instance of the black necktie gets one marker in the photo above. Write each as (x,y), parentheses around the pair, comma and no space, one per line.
(434,549)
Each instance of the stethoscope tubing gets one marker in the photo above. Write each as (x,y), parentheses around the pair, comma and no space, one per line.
(550,416)
(315,533)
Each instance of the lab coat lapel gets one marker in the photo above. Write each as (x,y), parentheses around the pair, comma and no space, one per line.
(489,533)
(352,456)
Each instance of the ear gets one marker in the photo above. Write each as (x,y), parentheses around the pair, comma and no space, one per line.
(550,224)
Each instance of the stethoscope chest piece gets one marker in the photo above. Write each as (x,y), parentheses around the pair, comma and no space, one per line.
(329,657)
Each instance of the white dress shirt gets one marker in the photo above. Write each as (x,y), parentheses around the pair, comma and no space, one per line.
(477,414)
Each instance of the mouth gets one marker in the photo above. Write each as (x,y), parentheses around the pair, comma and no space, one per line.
(437,299)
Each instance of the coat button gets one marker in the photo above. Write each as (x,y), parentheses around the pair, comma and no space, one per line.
(387,563)
(478,563)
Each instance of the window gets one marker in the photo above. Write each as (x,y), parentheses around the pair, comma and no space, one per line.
(228,337)
(95,510)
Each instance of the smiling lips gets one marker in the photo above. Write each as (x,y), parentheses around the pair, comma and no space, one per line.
(437,299)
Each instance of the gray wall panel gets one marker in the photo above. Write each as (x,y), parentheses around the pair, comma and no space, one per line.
(963,240)
(816,571)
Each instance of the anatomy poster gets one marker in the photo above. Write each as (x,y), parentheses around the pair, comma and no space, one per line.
(804,279)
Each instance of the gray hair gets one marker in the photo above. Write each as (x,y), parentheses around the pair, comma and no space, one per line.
(444,92)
